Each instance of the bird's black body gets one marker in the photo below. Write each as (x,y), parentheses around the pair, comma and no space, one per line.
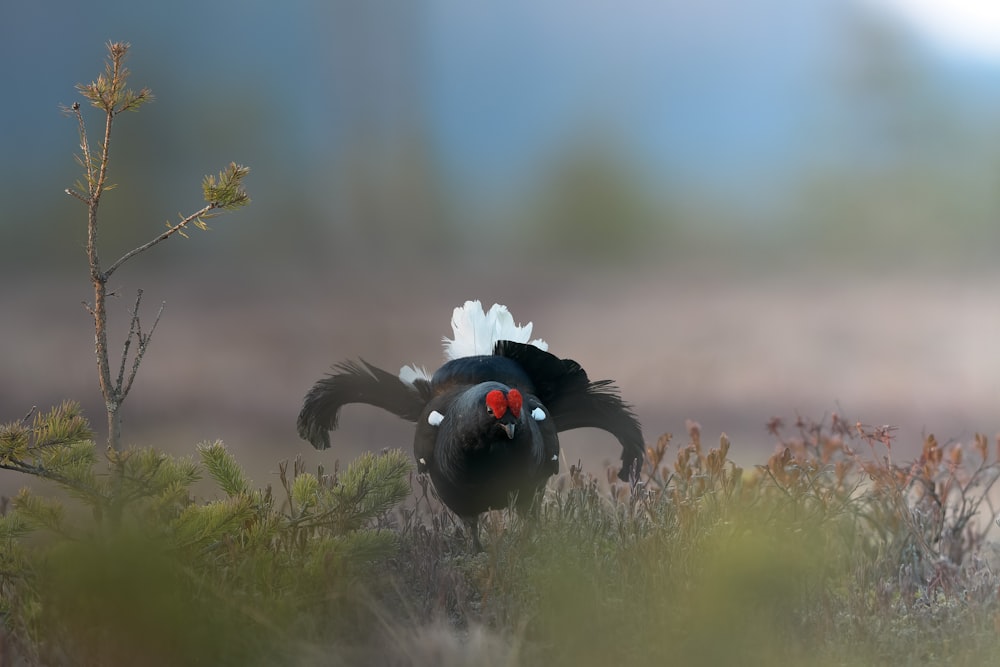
(487,425)
(475,463)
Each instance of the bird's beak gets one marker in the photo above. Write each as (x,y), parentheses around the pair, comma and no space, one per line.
(508,429)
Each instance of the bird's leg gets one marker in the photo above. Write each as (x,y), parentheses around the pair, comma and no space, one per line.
(472,522)
(530,512)
(531,508)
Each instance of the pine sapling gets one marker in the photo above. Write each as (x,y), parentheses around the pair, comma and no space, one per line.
(111,95)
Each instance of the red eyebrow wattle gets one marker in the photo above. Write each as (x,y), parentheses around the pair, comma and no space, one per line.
(497,402)
(514,402)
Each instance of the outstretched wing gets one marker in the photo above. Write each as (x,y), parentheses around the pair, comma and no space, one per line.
(357,382)
(575,401)
(600,406)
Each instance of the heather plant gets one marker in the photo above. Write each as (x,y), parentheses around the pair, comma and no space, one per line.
(813,557)
(825,554)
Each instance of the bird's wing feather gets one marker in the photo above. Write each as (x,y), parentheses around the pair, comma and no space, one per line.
(357,382)
(600,406)
(576,401)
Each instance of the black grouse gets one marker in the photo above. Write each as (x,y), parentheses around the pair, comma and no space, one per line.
(487,421)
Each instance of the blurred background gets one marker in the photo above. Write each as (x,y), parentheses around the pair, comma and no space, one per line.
(735,208)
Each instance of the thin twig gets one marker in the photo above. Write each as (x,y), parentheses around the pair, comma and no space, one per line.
(102,175)
(132,327)
(31,412)
(18,465)
(144,341)
(85,147)
(77,195)
(162,237)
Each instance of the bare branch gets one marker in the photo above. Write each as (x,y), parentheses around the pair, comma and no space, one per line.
(173,229)
(132,328)
(102,175)
(88,160)
(77,195)
(144,341)
(27,417)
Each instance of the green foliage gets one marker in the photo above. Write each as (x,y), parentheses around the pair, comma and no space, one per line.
(129,568)
(109,92)
(227,191)
(819,556)
(47,439)
(592,203)
(224,469)
(371,486)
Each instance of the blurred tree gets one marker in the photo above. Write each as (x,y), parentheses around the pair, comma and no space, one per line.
(388,198)
(594,203)
(897,166)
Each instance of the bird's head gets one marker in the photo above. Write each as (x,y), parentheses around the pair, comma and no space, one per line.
(505,408)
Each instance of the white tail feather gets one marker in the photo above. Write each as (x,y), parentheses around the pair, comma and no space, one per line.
(477,331)
(410,374)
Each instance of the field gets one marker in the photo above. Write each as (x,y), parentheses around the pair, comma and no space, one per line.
(860,546)
(829,552)
(237,348)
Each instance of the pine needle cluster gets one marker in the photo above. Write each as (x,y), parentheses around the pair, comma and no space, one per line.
(122,557)
(110,94)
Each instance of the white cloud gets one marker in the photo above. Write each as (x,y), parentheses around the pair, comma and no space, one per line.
(966,27)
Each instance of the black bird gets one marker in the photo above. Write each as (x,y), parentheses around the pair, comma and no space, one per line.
(488,419)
